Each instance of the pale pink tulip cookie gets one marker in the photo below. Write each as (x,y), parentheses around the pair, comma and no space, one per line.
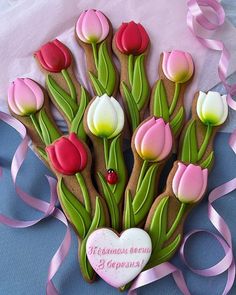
(187,181)
(93,32)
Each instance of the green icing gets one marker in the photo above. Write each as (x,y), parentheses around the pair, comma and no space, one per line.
(106,70)
(140,88)
(132,107)
(42,153)
(36,125)
(97,84)
(175,98)
(142,173)
(160,104)
(117,163)
(128,212)
(158,226)
(70,84)
(164,254)
(76,212)
(143,198)
(131,68)
(49,132)
(77,123)
(63,100)
(189,150)
(208,162)
(111,203)
(84,192)
(177,122)
(204,145)
(106,150)
(98,221)
(95,53)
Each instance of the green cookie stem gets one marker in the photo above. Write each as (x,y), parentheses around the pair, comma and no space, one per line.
(142,173)
(36,125)
(70,84)
(175,98)
(205,142)
(95,54)
(84,191)
(177,220)
(106,150)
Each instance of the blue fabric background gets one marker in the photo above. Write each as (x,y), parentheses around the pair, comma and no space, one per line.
(25,253)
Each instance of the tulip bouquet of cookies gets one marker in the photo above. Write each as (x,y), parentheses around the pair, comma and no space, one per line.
(123,222)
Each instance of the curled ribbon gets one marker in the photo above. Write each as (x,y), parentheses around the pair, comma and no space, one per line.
(49,209)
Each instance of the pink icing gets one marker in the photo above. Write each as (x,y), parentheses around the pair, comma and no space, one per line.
(189,183)
(153,140)
(177,66)
(25,96)
(92,26)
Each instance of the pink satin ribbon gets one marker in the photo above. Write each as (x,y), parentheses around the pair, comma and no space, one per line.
(49,209)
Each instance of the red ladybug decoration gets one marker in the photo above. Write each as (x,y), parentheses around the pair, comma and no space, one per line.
(111,176)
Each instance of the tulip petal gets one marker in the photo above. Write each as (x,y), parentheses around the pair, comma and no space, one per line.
(120,117)
(144,39)
(131,38)
(105,117)
(65,51)
(225,110)
(200,101)
(80,148)
(11,100)
(204,185)
(141,130)
(168,141)
(177,66)
(53,158)
(176,179)
(53,57)
(25,99)
(118,37)
(190,66)
(153,141)
(191,184)
(91,27)
(104,24)
(67,156)
(79,31)
(35,88)
(90,115)
(213,108)
(164,64)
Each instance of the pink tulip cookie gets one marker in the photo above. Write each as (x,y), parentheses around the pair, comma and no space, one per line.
(187,181)
(93,32)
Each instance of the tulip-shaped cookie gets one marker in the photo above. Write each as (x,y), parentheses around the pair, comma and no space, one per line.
(70,160)
(130,44)
(104,122)
(94,32)
(29,104)
(69,97)
(175,72)
(151,145)
(187,180)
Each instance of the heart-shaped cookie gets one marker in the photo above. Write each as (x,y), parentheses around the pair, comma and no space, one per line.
(118,259)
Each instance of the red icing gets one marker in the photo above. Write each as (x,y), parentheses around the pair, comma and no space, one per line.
(131,38)
(111,176)
(68,155)
(54,56)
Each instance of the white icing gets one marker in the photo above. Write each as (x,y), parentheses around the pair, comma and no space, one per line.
(118,260)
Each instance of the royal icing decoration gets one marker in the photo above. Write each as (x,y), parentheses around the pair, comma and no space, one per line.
(118,259)
(177,66)
(153,140)
(92,26)
(212,108)
(25,97)
(189,183)
(54,56)
(68,155)
(131,38)
(105,117)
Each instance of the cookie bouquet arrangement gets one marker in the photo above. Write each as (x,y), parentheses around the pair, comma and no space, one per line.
(124,222)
